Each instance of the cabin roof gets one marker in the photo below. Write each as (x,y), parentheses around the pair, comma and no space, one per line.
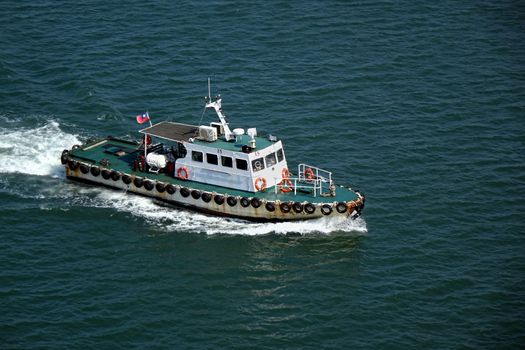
(178,132)
(172,131)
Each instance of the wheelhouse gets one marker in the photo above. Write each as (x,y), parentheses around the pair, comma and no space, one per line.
(215,155)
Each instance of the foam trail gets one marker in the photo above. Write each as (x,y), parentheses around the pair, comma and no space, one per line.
(173,219)
(34,151)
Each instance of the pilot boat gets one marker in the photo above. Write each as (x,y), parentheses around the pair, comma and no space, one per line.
(213,169)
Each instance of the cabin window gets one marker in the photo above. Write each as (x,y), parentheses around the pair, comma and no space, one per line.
(280,155)
(270,160)
(212,158)
(196,156)
(227,161)
(258,164)
(241,164)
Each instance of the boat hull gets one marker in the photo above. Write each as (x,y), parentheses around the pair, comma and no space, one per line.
(207,202)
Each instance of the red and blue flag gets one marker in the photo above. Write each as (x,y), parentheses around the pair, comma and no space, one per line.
(141,119)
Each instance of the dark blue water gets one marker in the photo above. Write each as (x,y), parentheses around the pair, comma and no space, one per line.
(419,105)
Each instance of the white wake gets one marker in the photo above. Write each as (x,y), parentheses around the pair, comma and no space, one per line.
(34,151)
(169,219)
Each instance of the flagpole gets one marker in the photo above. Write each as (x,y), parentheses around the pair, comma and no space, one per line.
(149,119)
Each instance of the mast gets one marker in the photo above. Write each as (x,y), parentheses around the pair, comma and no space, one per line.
(217,106)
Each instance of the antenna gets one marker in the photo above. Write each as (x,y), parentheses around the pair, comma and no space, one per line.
(209,89)
(217,106)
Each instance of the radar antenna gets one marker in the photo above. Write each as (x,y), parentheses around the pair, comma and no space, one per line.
(216,104)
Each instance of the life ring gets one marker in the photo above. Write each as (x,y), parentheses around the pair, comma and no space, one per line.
(309,208)
(286,185)
(260,183)
(270,206)
(76,147)
(256,202)
(183,173)
(285,173)
(309,174)
(326,209)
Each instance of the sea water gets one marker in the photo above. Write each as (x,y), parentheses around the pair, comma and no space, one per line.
(418,105)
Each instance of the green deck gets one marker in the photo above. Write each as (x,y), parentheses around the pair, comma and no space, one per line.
(99,150)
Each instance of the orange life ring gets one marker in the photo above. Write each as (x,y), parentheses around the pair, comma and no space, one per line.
(309,174)
(183,173)
(286,185)
(260,183)
(285,173)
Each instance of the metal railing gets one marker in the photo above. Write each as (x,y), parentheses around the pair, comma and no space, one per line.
(310,179)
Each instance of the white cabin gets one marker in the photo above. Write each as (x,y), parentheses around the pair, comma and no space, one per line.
(216,155)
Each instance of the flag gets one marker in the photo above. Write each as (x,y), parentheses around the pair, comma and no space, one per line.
(141,119)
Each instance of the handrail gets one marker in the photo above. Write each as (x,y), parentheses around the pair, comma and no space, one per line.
(315,186)
(317,177)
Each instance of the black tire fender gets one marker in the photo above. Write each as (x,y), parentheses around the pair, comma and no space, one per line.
(232,201)
(270,206)
(245,202)
(95,171)
(106,174)
(219,199)
(115,175)
(256,202)
(170,189)
(184,192)
(126,179)
(297,207)
(73,165)
(148,185)
(309,208)
(64,157)
(285,207)
(196,194)
(326,209)
(160,186)
(341,207)
(206,197)
(84,169)
(138,182)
